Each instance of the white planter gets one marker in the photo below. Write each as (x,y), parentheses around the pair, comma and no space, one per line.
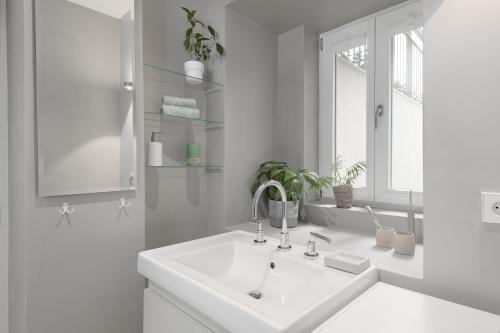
(276,213)
(194,71)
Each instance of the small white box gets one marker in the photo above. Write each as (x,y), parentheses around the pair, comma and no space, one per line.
(491,207)
(347,262)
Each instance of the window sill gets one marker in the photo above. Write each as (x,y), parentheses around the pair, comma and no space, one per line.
(359,207)
(357,218)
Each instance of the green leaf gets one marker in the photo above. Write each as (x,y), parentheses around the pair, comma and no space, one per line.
(276,172)
(186,43)
(191,15)
(189,32)
(211,30)
(289,175)
(220,49)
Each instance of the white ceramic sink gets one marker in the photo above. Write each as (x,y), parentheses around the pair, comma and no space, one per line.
(214,275)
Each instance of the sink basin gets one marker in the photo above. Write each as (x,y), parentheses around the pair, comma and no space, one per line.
(245,287)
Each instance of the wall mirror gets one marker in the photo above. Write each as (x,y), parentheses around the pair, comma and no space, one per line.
(85,96)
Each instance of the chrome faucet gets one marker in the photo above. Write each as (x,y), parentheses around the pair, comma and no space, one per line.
(284,239)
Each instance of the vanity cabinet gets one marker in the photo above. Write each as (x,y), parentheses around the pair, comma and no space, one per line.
(162,316)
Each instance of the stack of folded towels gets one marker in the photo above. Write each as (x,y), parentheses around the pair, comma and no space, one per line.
(180,107)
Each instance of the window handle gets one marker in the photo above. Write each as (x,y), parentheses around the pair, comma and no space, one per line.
(379,112)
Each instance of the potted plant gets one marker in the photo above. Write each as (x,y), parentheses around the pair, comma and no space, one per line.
(342,184)
(201,42)
(293,183)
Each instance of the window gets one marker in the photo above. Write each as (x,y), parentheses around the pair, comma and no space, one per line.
(371,100)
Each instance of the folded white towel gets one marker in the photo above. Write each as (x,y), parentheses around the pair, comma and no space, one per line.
(180,111)
(179,101)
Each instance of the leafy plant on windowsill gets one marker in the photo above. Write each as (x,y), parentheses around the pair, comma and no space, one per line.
(343,181)
(292,181)
(200,45)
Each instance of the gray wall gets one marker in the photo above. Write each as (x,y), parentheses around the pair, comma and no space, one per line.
(461,137)
(289,124)
(76,275)
(182,204)
(4,178)
(251,72)
(296,115)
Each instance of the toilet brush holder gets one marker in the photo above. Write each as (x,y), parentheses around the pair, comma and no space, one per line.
(404,243)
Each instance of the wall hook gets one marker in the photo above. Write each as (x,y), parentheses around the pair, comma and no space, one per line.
(124,204)
(65,209)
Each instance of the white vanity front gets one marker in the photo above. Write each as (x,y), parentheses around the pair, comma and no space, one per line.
(227,283)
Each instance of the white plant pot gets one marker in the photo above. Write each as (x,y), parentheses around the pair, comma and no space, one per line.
(194,71)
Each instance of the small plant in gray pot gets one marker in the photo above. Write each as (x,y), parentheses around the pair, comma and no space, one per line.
(344,181)
(293,183)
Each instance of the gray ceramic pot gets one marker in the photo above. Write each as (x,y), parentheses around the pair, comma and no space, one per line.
(343,196)
(276,213)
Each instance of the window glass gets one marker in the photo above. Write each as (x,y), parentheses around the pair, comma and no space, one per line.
(350,106)
(407,111)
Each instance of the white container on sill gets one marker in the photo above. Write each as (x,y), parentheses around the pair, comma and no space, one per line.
(385,237)
(404,243)
(194,71)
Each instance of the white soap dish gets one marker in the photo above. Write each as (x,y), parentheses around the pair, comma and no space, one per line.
(347,262)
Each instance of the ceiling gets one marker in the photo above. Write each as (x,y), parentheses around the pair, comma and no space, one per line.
(113,8)
(319,15)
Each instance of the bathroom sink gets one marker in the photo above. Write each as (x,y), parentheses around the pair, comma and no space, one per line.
(245,287)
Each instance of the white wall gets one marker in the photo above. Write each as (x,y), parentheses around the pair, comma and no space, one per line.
(461,159)
(76,275)
(4,178)
(251,71)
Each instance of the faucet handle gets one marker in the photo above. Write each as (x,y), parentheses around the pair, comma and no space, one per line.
(259,235)
(311,252)
(322,237)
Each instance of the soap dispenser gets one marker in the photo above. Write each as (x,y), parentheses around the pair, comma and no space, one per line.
(155,150)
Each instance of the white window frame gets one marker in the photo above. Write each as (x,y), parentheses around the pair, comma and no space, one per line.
(342,39)
(378,30)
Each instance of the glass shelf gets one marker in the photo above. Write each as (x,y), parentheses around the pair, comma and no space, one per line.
(186,166)
(167,76)
(208,124)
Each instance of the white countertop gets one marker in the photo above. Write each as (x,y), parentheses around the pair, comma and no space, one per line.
(391,265)
(389,309)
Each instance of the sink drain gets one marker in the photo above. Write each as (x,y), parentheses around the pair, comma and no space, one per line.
(256,294)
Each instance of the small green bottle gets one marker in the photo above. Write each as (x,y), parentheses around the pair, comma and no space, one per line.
(193,154)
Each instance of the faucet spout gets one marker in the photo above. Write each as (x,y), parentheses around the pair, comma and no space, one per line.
(284,239)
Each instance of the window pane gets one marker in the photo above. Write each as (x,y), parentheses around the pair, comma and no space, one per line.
(407,111)
(350,106)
